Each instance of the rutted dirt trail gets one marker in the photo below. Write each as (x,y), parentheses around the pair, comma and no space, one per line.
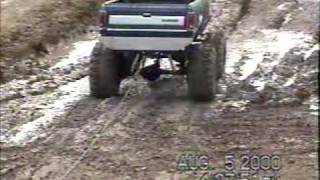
(266,105)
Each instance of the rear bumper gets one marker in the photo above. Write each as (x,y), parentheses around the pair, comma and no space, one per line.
(146,40)
(146,33)
(145,43)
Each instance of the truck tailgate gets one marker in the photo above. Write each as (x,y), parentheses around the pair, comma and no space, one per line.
(146,27)
(146,16)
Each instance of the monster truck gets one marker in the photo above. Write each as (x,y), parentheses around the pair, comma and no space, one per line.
(133,30)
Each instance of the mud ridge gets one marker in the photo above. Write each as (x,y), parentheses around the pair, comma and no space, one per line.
(244,10)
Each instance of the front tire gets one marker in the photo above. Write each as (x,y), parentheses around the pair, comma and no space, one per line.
(104,72)
(202,71)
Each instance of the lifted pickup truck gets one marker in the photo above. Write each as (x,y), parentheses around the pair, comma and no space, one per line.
(133,30)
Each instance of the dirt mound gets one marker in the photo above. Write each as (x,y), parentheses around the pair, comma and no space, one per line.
(28,31)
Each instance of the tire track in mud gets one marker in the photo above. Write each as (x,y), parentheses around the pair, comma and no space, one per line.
(147,143)
(74,141)
(68,137)
(133,143)
(36,102)
(145,110)
(263,56)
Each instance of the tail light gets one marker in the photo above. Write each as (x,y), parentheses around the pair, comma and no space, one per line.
(103,18)
(191,21)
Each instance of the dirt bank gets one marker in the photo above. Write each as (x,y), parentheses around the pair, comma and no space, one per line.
(30,28)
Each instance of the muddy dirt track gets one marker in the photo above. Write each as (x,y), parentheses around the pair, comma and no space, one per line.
(267,105)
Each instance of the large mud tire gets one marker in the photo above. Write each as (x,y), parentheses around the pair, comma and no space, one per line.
(220,44)
(104,72)
(201,71)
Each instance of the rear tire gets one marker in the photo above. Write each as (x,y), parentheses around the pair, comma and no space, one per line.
(201,72)
(104,72)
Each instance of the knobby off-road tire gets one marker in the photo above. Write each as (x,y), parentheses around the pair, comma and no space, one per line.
(220,44)
(202,70)
(104,72)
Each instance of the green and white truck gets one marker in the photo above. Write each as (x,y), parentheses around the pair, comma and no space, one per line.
(133,30)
